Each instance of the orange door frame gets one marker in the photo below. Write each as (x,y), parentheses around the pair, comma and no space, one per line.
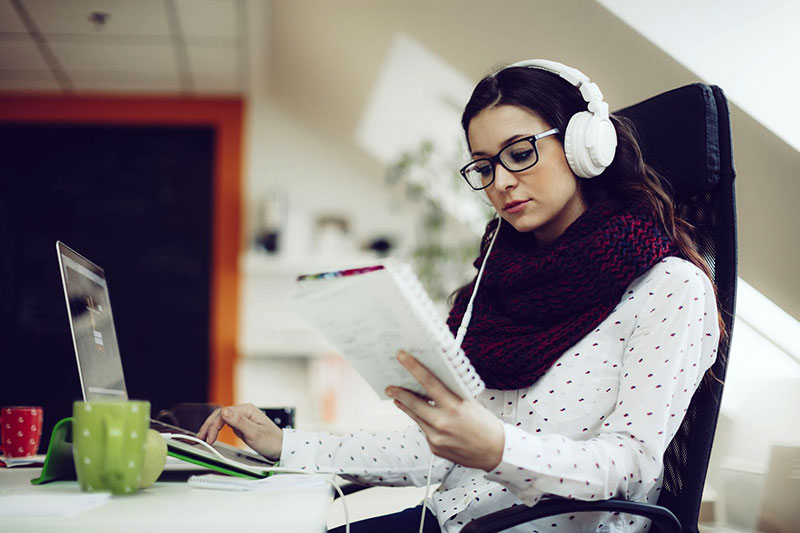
(225,116)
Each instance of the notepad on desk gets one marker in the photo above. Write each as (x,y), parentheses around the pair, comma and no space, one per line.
(278,483)
(371,313)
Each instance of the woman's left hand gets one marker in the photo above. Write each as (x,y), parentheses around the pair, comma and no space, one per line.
(463,431)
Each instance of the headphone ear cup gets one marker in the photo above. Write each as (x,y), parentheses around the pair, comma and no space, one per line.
(575,146)
(589,144)
(601,139)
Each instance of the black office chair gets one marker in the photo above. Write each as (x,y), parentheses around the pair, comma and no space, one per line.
(684,133)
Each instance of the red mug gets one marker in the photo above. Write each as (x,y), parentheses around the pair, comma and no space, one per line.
(20,430)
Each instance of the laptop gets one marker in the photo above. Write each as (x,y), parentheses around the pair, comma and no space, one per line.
(100,364)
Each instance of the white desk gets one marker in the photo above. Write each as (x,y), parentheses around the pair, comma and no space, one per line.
(175,507)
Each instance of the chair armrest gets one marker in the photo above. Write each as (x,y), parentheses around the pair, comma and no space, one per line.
(519,514)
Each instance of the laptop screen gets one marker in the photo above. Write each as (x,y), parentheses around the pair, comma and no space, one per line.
(92,325)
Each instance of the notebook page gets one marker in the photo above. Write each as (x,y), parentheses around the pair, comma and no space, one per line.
(369,319)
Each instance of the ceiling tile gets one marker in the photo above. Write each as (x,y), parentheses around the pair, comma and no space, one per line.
(127,17)
(28,80)
(223,61)
(211,85)
(115,57)
(33,76)
(137,84)
(208,18)
(119,81)
(29,85)
(125,78)
(21,55)
(215,69)
(9,20)
(103,39)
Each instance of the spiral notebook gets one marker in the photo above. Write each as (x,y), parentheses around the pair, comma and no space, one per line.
(371,313)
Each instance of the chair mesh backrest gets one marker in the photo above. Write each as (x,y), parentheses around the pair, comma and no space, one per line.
(685,134)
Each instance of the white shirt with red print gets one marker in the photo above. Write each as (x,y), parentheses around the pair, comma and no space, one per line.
(595,426)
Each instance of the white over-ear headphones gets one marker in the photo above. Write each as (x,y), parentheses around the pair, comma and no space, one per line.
(590,140)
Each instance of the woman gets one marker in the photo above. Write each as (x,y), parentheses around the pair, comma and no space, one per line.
(594,324)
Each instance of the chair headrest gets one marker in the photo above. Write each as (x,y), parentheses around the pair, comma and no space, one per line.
(679,134)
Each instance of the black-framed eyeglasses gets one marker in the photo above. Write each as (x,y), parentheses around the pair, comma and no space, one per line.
(515,157)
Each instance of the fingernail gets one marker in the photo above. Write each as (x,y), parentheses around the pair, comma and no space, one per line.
(226,413)
(389,392)
(402,357)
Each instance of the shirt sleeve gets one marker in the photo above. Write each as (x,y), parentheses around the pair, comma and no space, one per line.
(673,343)
(399,458)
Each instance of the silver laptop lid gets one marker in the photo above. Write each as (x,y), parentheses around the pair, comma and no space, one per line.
(92,326)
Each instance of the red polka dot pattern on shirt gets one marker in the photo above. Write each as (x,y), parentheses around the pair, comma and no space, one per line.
(594,426)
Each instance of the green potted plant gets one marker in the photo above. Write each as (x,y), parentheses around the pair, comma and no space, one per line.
(430,176)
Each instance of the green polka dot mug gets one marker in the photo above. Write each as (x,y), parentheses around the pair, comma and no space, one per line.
(108,444)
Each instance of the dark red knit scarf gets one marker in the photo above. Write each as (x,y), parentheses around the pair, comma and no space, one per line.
(535,303)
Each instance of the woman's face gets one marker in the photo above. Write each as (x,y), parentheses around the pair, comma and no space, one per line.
(545,198)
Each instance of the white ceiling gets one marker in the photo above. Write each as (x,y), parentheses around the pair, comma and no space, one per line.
(162,46)
(741,46)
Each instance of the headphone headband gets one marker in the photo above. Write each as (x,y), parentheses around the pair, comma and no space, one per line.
(590,92)
(572,75)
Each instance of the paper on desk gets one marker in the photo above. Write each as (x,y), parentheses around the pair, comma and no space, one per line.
(11,462)
(281,482)
(174,464)
(50,504)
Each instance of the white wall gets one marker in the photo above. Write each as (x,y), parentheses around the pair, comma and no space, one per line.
(320,173)
(282,362)
(760,407)
(318,179)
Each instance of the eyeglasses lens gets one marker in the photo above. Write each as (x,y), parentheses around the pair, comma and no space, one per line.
(479,174)
(518,156)
(515,157)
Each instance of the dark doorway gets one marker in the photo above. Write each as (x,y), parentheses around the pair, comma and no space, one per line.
(135,200)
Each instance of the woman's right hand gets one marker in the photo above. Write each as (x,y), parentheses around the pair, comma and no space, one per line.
(250,424)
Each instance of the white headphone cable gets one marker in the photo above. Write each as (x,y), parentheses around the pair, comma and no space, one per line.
(462,328)
(279,469)
(460,334)
(427,490)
